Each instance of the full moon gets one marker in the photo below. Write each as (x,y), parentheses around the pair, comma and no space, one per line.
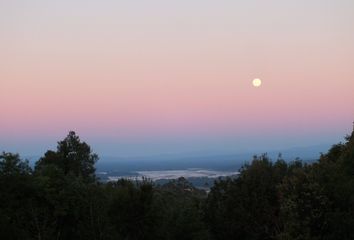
(257,82)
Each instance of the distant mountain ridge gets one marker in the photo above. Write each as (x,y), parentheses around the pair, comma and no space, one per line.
(211,161)
(217,161)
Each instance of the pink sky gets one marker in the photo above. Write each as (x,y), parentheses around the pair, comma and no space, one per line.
(145,72)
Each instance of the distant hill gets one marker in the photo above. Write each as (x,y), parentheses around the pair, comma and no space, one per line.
(208,161)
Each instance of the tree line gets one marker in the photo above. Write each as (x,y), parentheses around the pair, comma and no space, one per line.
(61,198)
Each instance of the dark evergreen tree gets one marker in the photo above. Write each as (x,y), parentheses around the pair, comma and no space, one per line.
(72,157)
(16,192)
(247,207)
(62,199)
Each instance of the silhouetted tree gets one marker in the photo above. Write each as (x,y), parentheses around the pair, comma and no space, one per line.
(16,191)
(130,209)
(72,156)
(247,207)
(63,200)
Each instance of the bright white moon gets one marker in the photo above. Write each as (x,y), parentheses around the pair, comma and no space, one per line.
(257,82)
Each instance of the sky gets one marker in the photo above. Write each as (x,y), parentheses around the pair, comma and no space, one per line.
(161,77)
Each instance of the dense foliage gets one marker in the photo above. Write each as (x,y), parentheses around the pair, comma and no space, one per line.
(62,199)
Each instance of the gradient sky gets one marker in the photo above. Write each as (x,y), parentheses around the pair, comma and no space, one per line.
(154,77)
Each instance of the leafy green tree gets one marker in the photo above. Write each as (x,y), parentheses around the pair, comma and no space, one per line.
(69,200)
(130,209)
(12,165)
(73,157)
(62,199)
(97,219)
(178,206)
(318,199)
(304,205)
(247,207)
(16,190)
(339,186)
